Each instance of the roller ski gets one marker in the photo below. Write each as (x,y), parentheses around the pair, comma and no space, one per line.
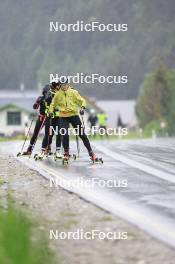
(58,155)
(48,153)
(61,157)
(39,156)
(45,153)
(25,153)
(28,152)
(95,160)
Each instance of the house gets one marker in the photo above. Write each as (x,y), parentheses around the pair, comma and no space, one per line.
(14,119)
(15,112)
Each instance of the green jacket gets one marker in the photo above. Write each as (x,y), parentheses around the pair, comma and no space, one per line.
(67,102)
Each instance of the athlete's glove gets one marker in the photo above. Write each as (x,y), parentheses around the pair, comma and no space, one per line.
(82,110)
(50,115)
(35,106)
(37,103)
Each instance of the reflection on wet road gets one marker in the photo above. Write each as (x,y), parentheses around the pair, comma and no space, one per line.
(144,171)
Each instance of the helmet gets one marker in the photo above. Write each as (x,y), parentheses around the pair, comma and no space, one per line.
(63,80)
(53,87)
(54,84)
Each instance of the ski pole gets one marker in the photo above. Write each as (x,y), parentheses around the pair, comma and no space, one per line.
(77,140)
(28,132)
(78,146)
(48,142)
(42,125)
(83,124)
(82,120)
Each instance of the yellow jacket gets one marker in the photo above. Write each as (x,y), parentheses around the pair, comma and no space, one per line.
(67,102)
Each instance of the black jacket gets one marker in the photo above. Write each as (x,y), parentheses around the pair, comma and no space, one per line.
(40,104)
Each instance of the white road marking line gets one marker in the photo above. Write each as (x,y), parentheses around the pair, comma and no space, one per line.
(156,172)
(154,224)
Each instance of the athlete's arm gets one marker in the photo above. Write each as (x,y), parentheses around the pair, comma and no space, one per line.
(80,100)
(53,104)
(37,103)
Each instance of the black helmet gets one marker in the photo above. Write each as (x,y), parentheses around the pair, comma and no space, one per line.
(54,84)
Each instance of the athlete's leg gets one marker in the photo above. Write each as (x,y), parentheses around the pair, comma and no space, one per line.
(36,131)
(46,139)
(58,135)
(64,126)
(76,123)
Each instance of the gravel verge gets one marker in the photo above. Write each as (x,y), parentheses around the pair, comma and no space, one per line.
(57,209)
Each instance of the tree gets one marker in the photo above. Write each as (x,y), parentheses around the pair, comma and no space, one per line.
(156,99)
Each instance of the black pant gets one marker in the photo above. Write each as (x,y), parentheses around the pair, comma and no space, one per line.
(76,123)
(38,125)
(47,140)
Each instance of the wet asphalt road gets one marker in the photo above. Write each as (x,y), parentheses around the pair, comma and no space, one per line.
(144,175)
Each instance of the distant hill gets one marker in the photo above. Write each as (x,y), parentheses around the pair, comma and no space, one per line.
(29,52)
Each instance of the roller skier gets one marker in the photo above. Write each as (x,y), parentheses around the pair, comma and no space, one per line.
(102,122)
(92,120)
(68,101)
(41,107)
(52,121)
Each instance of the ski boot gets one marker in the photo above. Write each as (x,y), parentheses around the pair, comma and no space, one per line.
(28,152)
(66,158)
(40,156)
(94,159)
(48,152)
(58,155)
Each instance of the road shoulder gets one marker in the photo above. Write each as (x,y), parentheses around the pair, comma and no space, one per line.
(60,210)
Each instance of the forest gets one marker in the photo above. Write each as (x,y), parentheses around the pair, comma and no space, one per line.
(30,52)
